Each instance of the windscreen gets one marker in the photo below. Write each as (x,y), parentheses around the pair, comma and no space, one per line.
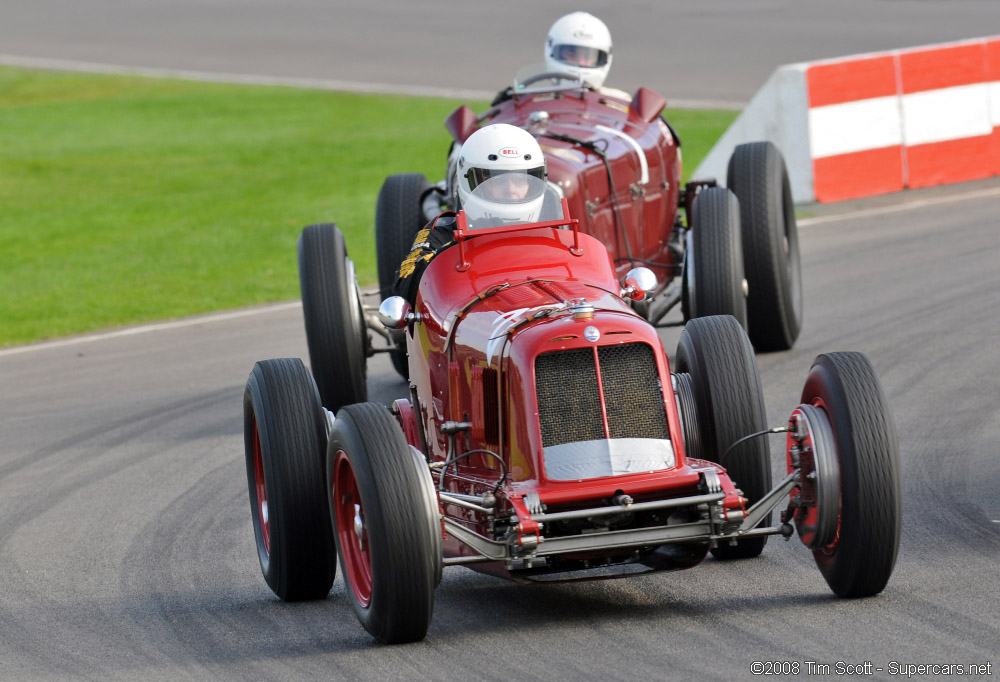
(540,78)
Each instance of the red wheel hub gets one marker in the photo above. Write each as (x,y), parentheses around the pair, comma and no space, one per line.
(816,500)
(831,548)
(352,534)
(258,473)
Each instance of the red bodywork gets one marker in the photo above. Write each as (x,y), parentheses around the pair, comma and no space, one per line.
(487,309)
(644,160)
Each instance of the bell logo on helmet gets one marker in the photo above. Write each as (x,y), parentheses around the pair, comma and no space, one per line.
(510,152)
(581,33)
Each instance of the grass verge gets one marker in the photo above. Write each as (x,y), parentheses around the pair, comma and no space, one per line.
(128,199)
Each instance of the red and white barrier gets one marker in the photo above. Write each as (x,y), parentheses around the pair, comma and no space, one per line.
(871,124)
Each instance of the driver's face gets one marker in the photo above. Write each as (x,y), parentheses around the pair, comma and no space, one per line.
(509,186)
(573,55)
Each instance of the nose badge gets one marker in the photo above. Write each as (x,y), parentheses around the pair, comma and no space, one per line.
(591,333)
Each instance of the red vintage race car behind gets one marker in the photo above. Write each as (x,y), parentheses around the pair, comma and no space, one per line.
(618,163)
(547,436)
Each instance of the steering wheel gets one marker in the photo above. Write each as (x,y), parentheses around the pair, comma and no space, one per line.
(551,75)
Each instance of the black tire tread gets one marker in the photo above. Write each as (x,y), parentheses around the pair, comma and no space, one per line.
(718,255)
(336,343)
(730,404)
(405,552)
(292,428)
(868,451)
(757,174)
(399,216)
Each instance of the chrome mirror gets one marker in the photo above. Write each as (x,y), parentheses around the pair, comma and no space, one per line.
(639,283)
(394,312)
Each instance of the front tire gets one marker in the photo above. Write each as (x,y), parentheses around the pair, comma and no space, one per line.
(861,558)
(387,527)
(729,405)
(758,176)
(335,325)
(284,434)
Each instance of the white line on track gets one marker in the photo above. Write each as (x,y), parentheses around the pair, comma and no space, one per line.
(155,327)
(244,79)
(898,208)
(308,83)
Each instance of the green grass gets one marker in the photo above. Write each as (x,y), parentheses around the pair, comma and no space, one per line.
(125,200)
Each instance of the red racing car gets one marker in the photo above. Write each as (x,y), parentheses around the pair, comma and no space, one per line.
(547,437)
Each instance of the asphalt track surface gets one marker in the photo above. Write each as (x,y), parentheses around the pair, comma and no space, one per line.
(126,549)
(692,51)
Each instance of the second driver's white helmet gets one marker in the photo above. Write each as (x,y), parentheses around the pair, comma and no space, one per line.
(579,44)
(501,176)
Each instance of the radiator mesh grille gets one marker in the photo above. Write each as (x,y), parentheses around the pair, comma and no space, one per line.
(569,407)
(632,392)
(569,404)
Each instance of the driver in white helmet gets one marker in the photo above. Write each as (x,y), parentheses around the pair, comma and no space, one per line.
(578,44)
(500,179)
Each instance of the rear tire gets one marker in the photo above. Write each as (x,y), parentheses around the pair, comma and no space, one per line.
(284,434)
(860,560)
(713,278)
(729,404)
(758,176)
(335,325)
(387,527)
(399,215)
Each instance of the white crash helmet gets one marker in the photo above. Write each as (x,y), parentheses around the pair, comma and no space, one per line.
(501,176)
(579,44)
